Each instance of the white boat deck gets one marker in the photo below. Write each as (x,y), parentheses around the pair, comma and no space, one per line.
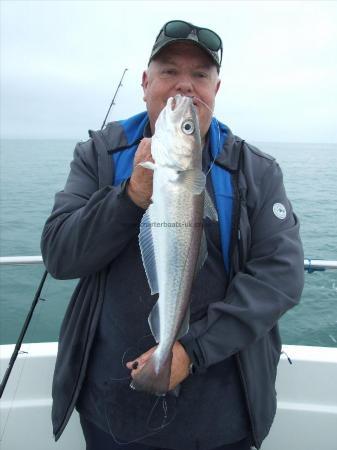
(306,417)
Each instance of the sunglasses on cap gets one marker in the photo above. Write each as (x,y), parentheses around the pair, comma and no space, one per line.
(178,29)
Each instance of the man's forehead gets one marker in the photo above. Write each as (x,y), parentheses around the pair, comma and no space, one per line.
(174,62)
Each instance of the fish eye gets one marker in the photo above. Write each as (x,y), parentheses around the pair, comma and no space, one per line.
(187,127)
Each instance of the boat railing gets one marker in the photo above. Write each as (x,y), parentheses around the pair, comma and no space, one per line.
(310,265)
(16,260)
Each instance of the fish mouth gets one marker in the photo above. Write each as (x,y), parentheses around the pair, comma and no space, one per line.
(196,101)
(175,100)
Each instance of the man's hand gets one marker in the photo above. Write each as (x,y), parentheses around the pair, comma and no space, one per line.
(180,365)
(179,369)
(140,185)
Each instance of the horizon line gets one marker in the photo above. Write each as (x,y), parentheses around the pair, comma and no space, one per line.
(76,139)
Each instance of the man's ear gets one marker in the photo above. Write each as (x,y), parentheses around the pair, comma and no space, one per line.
(145,82)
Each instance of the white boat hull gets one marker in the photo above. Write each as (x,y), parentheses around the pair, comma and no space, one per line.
(306,417)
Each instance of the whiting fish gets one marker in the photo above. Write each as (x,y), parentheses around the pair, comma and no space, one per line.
(172,242)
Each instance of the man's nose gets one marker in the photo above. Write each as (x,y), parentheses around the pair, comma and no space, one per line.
(184,85)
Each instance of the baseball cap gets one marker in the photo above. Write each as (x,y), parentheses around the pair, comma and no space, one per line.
(181,31)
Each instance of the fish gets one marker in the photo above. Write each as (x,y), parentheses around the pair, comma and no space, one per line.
(171,238)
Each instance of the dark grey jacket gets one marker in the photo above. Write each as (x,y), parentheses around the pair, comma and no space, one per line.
(92,222)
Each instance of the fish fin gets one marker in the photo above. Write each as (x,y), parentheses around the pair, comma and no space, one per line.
(209,208)
(147,165)
(194,180)
(202,256)
(154,322)
(147,252)
(152,379)
(185,325)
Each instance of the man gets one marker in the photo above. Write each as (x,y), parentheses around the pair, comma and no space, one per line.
(226,363)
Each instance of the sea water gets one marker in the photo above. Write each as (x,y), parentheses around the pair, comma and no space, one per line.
(33,170)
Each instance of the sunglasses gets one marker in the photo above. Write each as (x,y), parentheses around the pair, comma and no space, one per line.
(181,29)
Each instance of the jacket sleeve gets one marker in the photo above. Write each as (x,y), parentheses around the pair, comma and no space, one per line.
(270,283)
(88,226)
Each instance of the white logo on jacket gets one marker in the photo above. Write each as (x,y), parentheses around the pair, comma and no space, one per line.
(279,210)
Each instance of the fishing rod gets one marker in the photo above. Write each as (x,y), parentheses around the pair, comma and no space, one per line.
(39,289)
(113,99)
(22,334)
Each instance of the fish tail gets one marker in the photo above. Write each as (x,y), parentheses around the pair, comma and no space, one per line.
(153,379)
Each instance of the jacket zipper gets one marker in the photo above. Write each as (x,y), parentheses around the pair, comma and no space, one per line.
(236,233)
(236,242)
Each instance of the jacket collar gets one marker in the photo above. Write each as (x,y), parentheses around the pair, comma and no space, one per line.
(228,157)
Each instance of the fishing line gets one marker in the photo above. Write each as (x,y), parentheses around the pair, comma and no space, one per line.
(154,431)
(165,409)
(135,349)
(218,128)
(219,143)
(124,367)
(164,420)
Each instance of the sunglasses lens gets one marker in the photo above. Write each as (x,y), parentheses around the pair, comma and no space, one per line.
(177,29)
(210,39)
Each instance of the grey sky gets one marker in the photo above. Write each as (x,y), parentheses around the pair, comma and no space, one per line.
(61,63)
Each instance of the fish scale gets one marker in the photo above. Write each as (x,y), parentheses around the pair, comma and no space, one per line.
(173,263)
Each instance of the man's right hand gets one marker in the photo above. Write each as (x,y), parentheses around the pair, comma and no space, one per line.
(140,185)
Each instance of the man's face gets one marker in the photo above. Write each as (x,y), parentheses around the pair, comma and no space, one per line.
(181,68)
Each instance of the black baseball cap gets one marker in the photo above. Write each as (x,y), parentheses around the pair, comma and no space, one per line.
(181,31)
